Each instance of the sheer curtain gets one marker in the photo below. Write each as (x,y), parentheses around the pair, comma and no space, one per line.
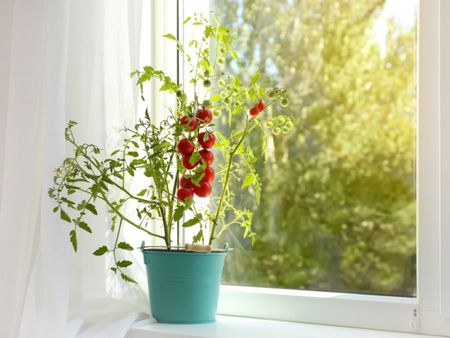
(61,60)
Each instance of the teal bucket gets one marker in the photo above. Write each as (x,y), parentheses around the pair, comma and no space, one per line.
(183,286)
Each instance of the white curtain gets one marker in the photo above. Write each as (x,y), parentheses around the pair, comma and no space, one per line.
(61,60)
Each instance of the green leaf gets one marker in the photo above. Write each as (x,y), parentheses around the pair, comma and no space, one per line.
(255,78)
(124,263)
(84,226)
(187,20)
(64,216)
(170,37)
(133,153)
(127,278)
(73,239)
(114,270)
(100,251)
(148,171)
(91,208)
(192,221)
(198,237)
(233,54)
(248,180)
(71,191)
(125,246)
(179,212)
(55,209)
(215,97)
(142,192)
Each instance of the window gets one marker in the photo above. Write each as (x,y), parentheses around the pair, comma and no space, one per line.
(427,308)
(338,206)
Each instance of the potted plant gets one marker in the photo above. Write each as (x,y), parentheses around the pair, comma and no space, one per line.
(175,157)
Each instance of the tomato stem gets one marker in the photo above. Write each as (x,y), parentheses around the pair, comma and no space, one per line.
(225,184)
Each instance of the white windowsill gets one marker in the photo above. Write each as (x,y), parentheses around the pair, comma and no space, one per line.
(236,327)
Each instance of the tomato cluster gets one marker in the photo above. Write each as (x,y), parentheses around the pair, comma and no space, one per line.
(196,155)
(256,109)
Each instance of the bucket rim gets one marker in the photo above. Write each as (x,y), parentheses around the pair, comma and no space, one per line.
(179,250)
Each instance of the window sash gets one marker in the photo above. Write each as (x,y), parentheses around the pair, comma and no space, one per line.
(429,312)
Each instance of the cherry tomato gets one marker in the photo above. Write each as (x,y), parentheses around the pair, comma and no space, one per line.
(206,139)
(209,175)
(186,163)
(254,111)
(184,193)
(203,190)
(186,183)
(189,122)
(204,116)
(185,146)
(260,105)
(207,156)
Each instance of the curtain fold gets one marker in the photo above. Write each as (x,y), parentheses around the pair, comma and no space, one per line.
(60,60)
(34,278)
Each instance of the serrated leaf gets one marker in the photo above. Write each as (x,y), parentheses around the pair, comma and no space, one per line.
(198,237)
(192,221)
(179,212)
(248,180)
(85,227)
(124,263)
(91,208)
(125,246)
(64,216)
(73,239)
(127,278)
(100,251)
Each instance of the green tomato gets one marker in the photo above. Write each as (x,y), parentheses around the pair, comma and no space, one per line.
(281,120)
(220,60)
(207,83)
(276,131)
(284,102)
(270,93)
(269,124)
(289,125)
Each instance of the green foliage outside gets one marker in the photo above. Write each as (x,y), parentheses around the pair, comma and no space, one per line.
(338,207)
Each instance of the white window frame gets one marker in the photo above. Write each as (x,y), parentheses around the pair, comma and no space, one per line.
(429,312)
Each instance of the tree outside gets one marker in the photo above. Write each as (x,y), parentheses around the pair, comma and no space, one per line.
(338,206)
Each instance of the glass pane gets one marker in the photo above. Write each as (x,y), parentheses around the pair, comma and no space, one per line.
(338,209)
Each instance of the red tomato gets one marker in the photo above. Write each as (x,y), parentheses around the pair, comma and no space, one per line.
(260,105)
(206,139)
(185,182)
(203,190)
(207,156)
(184,193)
(185,146)
(209,175)
(189,122)
(204,116)
(254,111)
(186,163)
